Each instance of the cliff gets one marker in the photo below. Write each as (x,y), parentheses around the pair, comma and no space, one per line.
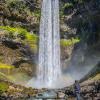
(79,31)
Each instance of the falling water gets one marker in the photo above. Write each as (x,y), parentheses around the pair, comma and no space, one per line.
(48,71)
(49,46)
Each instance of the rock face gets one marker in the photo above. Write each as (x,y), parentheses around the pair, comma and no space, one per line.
(82,17)
(78,18)
(18,55)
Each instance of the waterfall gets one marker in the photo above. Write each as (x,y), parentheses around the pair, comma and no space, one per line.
(49,44)
(48,69)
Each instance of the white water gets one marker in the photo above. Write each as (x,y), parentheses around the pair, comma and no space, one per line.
(49,71)
(49,46)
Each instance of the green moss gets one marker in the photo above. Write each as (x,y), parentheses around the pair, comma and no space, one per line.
(69,42)
(5,66)
(37,13)
(21,35)
(67,5)
(3,86)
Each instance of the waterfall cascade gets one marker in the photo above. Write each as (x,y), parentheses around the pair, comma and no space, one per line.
(48,71)
(49,46)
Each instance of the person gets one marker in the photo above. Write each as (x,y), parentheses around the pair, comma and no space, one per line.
(77,90)
(97,86)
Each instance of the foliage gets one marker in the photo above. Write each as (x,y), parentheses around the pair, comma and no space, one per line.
(21,35)
(20,7)
(69,42)
(37,13)
(3,86)
(5,66)
(67,5)
(17,4)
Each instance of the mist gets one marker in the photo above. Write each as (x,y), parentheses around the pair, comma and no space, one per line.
(83,59)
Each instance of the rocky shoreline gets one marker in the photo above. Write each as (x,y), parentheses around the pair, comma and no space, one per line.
(89,91)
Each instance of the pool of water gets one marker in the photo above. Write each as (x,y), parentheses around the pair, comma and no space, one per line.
(48,95)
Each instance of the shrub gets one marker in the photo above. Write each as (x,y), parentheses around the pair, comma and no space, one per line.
(69,42)
(17,4)
(22,35)
(65,6)
(20,7)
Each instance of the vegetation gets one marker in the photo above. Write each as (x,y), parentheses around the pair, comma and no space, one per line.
(67,5)
(5,66)
(37,13)
(3,86)
(16,4)
(20,7)
(21,35)
(69,42)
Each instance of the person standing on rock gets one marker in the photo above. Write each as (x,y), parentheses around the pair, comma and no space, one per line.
(77,90)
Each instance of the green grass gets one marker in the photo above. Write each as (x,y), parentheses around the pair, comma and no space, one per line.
(18,31)
(5,66)
(3,86)
(68,42)
(21,35)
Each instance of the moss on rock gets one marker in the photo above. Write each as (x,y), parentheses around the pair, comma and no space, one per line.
(68,42)
(5,66)
(19,34)
(3,86)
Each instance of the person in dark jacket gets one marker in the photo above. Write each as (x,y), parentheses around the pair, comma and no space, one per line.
(77,90)
(97,86)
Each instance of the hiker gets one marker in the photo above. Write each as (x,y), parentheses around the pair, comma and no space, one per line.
(97,86)
(77,90)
